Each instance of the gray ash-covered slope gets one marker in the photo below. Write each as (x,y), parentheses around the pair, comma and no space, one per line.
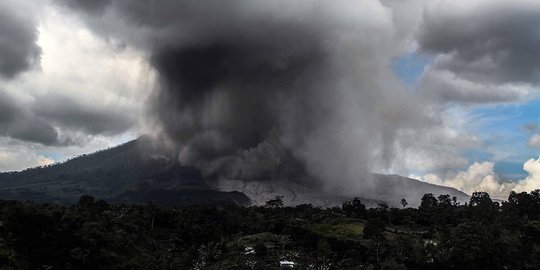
(134,172)
(392,188)
(389,189)
(291,191)
(139,172)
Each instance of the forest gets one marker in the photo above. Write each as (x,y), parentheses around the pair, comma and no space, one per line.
(440,234)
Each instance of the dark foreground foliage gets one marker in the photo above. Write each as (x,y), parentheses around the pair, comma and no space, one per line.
(440,234)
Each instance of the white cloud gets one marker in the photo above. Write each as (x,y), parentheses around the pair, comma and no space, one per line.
(15,161)
(84,82)
(534,141)
(532,182)
(89,90)
(445,86)
(14,157)
(480,176)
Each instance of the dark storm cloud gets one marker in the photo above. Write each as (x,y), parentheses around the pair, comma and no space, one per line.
(18,35)
(91,6)
(491,42)
(17,123)
(69,114)
(54,120)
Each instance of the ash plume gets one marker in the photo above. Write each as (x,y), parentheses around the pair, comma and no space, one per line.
(269,89)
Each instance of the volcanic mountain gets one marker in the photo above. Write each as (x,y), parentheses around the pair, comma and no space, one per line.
(140,171)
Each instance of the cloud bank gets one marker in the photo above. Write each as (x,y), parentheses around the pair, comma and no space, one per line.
(485,50)
(480,176)
(67,92)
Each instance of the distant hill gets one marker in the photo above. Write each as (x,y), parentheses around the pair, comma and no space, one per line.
(139,171)
(392,188)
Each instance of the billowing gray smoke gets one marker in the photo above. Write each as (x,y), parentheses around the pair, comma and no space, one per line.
(269,89)
(224,101)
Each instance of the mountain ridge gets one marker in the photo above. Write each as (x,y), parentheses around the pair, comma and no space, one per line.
(140,171)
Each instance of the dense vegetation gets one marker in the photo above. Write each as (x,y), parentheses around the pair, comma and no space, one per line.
(440,234)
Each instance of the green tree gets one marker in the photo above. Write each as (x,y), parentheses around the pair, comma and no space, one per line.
(444,200)
(404,203)
(482,207)
(374,230)
(428,202)
(472,247)
(427,210)
(277,202)
(354,208)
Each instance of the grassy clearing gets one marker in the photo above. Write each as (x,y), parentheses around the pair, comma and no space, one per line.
(350,230)
(267,238)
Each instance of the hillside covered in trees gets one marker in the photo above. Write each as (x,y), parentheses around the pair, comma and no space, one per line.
(440,234)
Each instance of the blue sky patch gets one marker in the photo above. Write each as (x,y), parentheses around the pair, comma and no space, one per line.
(409,67)
(505,131)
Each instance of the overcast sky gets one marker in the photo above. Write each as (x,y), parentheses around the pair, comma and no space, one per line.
(76,77)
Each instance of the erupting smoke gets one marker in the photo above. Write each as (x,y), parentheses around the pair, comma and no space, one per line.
(270,89)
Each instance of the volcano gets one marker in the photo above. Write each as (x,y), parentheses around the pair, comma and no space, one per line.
(141,171)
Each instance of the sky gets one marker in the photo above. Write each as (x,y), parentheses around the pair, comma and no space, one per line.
(442,91)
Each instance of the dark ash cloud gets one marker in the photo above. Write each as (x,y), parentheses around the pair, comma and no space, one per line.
(18,36)
(268,89)
(91,6)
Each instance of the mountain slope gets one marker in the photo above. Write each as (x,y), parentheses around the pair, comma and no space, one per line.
(139,171)
(387,188)
(292,192)
(116,174)
(392,188)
